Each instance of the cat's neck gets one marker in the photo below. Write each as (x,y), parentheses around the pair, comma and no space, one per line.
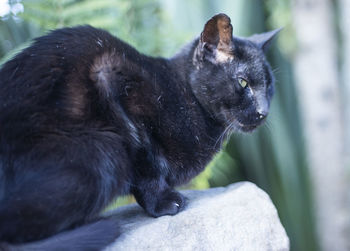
(182,64)
(182,61)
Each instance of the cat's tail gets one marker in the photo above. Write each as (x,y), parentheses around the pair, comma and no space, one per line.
(91,237)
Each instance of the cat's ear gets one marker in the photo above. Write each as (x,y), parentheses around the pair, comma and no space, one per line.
(216,39)
(263,40)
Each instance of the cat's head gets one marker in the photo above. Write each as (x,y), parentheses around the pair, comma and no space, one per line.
(231,78)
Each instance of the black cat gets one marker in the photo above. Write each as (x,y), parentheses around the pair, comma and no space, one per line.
(84,118)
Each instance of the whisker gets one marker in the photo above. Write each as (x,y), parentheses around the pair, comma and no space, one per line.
(222,135)
(276,70)
(268,126)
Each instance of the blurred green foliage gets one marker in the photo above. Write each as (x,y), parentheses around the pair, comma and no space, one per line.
(273,156)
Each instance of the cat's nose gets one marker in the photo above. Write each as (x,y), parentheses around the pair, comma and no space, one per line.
(260,115)
(262,108)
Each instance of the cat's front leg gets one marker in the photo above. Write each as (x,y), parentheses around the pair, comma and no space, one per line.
(157,198)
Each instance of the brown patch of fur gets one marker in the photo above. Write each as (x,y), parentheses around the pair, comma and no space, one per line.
(140,99)
(76,98)
(103,72)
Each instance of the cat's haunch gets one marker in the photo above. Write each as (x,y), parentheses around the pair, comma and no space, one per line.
(84,117)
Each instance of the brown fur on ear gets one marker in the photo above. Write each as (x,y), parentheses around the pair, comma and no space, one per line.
(218,32)
(216,41)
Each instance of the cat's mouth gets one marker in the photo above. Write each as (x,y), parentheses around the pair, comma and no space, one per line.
(235,124)
(246,127)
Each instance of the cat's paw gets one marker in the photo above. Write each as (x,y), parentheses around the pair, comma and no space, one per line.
(170,203)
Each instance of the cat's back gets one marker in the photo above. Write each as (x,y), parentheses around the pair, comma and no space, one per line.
(65,50)
(56,73)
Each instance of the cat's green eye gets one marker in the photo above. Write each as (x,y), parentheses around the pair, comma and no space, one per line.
(243,82)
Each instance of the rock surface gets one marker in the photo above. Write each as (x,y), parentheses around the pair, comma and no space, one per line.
(238,217)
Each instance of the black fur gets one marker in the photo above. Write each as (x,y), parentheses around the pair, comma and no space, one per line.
(84,118)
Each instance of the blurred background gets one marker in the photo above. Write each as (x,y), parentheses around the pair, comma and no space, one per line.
(301,156)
